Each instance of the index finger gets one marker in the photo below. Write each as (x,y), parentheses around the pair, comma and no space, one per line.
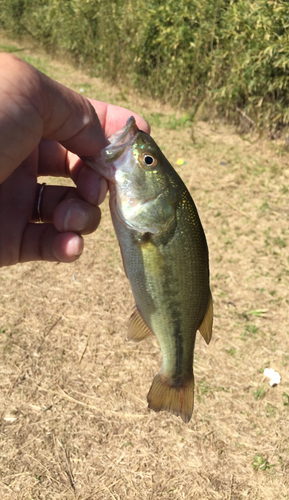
(112,117)
(53,159)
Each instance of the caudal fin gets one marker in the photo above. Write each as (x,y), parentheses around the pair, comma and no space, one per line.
(164,396)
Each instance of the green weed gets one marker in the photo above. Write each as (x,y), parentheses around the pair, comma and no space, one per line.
(205,389)
(264,206)
(257,312)
(260,463)
(231,351)
(159,120)
(215,55)
(259,393)
(286,401)
(280,242)
(156,119)
(270,411)
(39,62)
(126,444)
(9,48)
(250,331)
(184,121)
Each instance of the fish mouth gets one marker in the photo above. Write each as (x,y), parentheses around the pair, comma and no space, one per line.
(120,140)
(103,163)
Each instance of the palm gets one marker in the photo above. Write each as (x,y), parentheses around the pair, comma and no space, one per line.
(17,195)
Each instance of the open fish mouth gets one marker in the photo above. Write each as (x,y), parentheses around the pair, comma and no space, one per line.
(120,140)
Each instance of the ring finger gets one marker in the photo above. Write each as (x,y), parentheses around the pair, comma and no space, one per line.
(62,206)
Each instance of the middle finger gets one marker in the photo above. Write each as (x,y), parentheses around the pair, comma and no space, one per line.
(56,161)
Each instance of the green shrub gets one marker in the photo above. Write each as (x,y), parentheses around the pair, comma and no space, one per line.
(230,54)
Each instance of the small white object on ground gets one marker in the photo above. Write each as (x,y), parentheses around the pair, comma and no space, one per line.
(275,377)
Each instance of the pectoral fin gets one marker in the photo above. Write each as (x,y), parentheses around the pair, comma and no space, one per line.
(207,324)
(138,329)
(123,262)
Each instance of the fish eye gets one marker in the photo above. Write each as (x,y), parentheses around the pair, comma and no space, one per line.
(149,160)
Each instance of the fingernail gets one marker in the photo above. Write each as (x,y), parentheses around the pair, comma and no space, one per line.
(75,246)
(76,219)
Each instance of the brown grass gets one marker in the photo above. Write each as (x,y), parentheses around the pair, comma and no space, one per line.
(74,422)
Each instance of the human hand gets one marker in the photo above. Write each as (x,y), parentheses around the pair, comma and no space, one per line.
(44,128)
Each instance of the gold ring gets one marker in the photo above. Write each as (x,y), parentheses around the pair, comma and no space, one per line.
(39,202)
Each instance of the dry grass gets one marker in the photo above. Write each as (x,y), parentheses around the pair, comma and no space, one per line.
(74,422)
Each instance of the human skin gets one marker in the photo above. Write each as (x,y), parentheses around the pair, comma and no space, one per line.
(44,128)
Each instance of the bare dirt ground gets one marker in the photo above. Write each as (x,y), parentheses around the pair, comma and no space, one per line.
(74,422)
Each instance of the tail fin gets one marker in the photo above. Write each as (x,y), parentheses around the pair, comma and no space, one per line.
(177,399)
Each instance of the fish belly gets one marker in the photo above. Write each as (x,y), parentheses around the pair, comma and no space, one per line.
(169,277)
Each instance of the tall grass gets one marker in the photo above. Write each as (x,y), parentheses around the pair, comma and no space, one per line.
(230,54)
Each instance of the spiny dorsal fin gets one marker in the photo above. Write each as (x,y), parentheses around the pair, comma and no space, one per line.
(178,400)
(207,325)
(138,329)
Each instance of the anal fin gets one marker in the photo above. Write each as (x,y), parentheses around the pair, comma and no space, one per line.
(138,329)
(207,324)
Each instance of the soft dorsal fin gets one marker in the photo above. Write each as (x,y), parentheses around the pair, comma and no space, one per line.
(138,329)
(207,324)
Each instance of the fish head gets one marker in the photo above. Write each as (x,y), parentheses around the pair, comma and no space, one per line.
(142,190)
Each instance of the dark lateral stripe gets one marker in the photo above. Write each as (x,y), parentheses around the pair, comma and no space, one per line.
(179,365)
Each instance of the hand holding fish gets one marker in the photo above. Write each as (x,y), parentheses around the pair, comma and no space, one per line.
(49,130)
(44,128)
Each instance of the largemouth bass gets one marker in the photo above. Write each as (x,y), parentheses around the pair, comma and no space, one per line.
(165,257)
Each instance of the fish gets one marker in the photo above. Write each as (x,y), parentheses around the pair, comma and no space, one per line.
(165,257)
